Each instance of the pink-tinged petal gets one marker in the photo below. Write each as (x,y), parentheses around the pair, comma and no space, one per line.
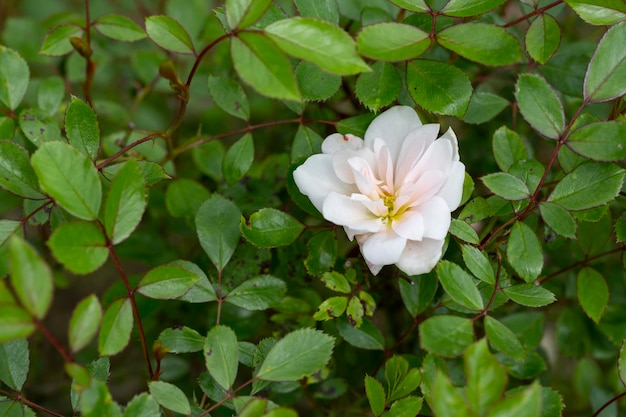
(420,257)
(438,157)
(385,165)
(392,126)
(377,207)
(342,167)
(426,187)
(338,142)
(383,248)
(413,148)
(344,211)
(410,225)
(436,218)
(452,190)
(316,179)
(451,136)
(364,177)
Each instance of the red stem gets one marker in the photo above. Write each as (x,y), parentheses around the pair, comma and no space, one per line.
(533,13)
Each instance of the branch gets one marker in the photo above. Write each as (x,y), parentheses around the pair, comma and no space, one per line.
(541,10)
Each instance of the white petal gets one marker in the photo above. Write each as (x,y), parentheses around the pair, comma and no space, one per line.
(436,218)
(426,187)
(342,167)
(452,190)
(316,179)
(410,225)
(451,136)
(438,157)
(413,148)
(383,248)
(374,269)
(420,257)
(338,142)
(344,211)
(364,177)
(392,126)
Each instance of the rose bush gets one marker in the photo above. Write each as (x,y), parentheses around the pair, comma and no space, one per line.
(394,190)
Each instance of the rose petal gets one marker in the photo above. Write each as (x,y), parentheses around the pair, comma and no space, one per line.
(364,178)
(392,126)
(344,211)
(410,225)
(451,136)
(383,248)
(341,164)
(413,148)
(452,190)
(338,142)
(316,179)
(420,257)
(436,218)
(426,187)
(438,157)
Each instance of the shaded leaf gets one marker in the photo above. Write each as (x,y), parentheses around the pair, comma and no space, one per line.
(221,355)
(391,41)
(446,335)
(84,322)
(80,246)
(459,285)
(169,396)
(258,293)
(268,228)
(117,324)
(217,222)
(540,105)
(169,34)
(14,75)
(524,252)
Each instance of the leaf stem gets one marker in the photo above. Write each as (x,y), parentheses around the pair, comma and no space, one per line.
(67,357)
(535,12)
(18,397)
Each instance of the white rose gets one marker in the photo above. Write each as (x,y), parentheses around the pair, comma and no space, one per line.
(394,190)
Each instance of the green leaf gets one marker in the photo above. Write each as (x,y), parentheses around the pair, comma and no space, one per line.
(221,355)
(229,96)
(439,87)
(354,312)
(167,282)
(446,400)
(96,401)
(263,66)
(81,127)
(117,324)
(484,107)
(31,277)
(298,354)
(84,322)
(529,295)
(507,186)
(57,40)
(405,407)
(380,87)
(336,282)
(202,291)
(463,8)
(375,395)
(184,197)
(419,293)
(419,6)
(169,34)
(14,75)
(169,396)
(502,339)
(602,141)
(15,322)
(590,184)
(355,125)
(524,252)
(50,94)
(593,292)
(331,308)
(39,127)
(478,264)
(80,246)
(486,378)
(322,43)
(152,172)
(391,41)
(269,228)
(238,159)
(258,293)
(524,404)
(217,222)
(119,28)
(464,231)
(599,12)
(481,42)
(125,203)
(543,38)
(322,249)
(16,173)
(320,9)
(142,405)
(181,340)
(621,363)
(606,75)
(14,363)
(558,219)
(243,13)
(7,127)
(316,84)
(459,285)
(447,336)
(70,178)
(540,105)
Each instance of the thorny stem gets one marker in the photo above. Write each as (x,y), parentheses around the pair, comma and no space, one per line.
(18,397)
(535,12)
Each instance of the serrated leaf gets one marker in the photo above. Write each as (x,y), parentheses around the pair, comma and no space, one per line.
(16,173)
(593,292)
(507,186)
(405,407)
(590,184)
(529,295)
(463,8)
(446,400)
(439,87)
(484,107)
(221,355)
(331,308)
(540,105)
(558,219)
(39,127)
(166,282)
(169,34)
(14,363)
(57,40)
(117,324)
(169,396)
(81,128)
(306,143)
(599,12)
(238,159)
(543,38)
(486,377)
(391,41)
(524,252)
(229,96)
(320,9)
(419,293)
(481,42)
(602,141)
(478,264)
(459,285)
(181,340)
(413,5)
(447,336)
(375,395)
(258,293)
(263,66)
(142,405)
(119,28)
(70,178)
(523,404)
(314,83)
(502,339)
(244,13)
(31,277)
(80,246)
(606,75)
(84,322)
(464,231)
(380,87)
(268,228)
(217,223)
(298,354)
(14,75)
(620,228)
